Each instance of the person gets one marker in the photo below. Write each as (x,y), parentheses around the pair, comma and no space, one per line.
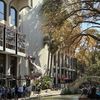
(24,90)
(16,91)
(0,92)
(29,89)
(3,92)
(83,95)
(38,90)
(93,95)
(20,91)
(9,96)
(98,92)
(13,92)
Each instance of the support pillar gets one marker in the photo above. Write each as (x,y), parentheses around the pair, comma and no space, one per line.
(56,70)
(7,73)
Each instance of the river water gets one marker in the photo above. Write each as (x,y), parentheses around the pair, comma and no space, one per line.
(59,97)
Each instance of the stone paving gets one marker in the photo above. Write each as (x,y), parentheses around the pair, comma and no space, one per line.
(43,93)
(47,93)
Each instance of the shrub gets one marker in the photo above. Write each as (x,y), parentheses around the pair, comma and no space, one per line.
(46,82)
(43,83)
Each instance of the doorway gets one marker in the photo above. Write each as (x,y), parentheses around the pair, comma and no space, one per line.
(13,66)
(13,70)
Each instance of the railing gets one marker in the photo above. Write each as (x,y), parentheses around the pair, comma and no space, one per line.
(21,42)
(1,34)
(10,38)
(13,39)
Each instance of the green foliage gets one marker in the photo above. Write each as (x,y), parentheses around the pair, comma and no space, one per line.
(44,82)
(55,24)
(51,10)
(51,6)
(36,82)
(66,33)
(94,68)
(53,47)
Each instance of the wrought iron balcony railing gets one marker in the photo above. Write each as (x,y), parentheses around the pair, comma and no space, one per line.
(1,34)
(21,42)
(11,39)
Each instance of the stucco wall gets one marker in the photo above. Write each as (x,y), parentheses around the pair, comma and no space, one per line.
(31,26)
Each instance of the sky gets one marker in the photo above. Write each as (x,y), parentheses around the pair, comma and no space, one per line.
(87,25)
(1,10)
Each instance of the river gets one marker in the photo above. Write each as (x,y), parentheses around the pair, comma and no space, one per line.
(59,97)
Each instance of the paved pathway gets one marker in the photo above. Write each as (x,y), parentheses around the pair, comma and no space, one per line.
(46,93)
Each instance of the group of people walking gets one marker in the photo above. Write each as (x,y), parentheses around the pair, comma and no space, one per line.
(90,92)
(14,92)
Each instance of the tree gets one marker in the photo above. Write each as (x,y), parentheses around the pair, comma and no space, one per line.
(64,23)
(94,67)
(57,33)
(53,24)
(88,12)
(80,11)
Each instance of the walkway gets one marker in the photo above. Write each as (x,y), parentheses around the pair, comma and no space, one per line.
(43,93)
(47,93)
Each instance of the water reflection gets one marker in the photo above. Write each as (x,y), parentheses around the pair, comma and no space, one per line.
(65,97)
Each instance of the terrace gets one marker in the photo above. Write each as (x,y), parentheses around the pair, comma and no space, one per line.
(11,40)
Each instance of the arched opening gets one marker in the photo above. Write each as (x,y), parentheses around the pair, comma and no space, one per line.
(13,15)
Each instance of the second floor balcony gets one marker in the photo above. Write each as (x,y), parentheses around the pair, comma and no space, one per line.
(12,41)
(1,36)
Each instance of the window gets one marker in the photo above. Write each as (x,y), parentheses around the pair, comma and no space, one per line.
(2,10)
(13,14)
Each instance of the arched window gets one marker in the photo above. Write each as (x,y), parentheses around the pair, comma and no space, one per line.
(13,14)
(2,10)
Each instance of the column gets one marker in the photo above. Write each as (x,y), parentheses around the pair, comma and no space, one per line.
(6,64)
(7,69)
(52,72)
(18,70)
(60,65)
(56,68)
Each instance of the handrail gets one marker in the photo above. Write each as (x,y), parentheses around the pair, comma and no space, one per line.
(12,37)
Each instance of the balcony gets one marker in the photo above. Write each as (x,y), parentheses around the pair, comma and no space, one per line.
(1,35)
(12,41)
(21,43)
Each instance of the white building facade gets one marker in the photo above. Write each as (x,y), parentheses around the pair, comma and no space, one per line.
(12,43)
